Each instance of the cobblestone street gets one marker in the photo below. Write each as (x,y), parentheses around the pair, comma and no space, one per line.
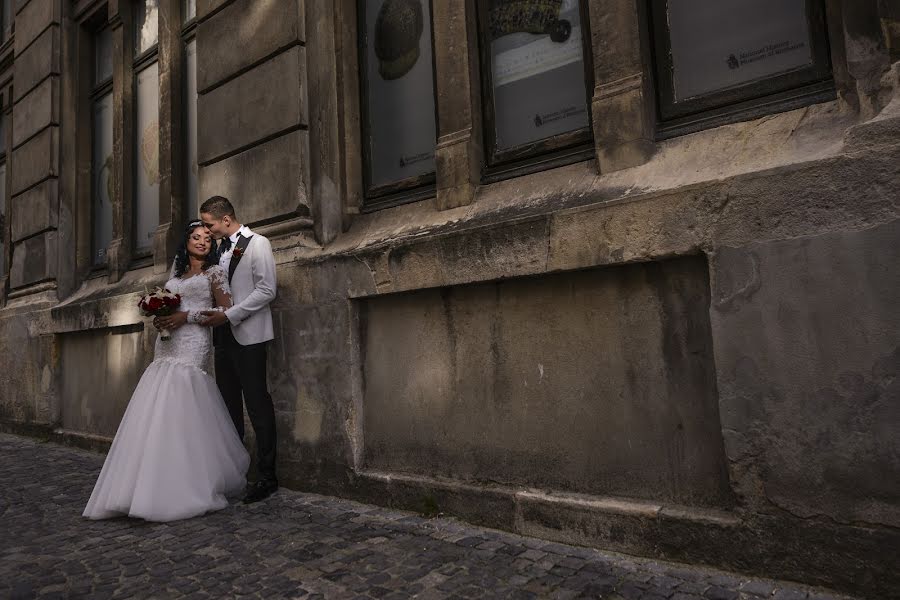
(296,545)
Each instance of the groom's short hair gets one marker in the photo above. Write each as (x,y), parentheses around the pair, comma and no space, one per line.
(219,207)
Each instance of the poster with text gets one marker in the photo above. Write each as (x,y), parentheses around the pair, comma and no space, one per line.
(537,67)
(720,44)
(400,90)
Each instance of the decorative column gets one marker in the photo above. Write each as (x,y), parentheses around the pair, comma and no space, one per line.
(119,254)
(868,57)
(34,155)
(323,67)
(172,141)
(254,111)
(459,146)
(622,106)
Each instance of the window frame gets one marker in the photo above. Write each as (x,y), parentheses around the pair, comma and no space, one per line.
(6,105)
(7,19)
(188,35)
(404,191)
(96,25)
(140,62)
(561,149)
(5,112)
(778,93)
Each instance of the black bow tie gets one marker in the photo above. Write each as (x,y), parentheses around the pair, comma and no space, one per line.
(225,245)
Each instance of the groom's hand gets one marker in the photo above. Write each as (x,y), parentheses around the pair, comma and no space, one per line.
(214,318)
(173,321)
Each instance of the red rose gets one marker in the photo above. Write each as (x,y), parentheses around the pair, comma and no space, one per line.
(237,252)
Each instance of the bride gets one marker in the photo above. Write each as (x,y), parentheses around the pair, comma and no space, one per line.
(176,453)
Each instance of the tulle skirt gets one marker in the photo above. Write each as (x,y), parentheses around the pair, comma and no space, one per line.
(176,453)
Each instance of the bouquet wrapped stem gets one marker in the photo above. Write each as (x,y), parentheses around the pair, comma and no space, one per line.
(159,303)
(164,334)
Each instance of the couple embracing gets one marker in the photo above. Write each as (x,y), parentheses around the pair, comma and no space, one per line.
(178,452)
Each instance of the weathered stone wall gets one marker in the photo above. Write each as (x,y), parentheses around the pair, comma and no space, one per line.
(739,282)
(29,374)
(102,368)
(598,381)
(808,356)
(253,142)
(35,143)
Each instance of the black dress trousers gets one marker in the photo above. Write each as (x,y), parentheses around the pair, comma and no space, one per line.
(241,377)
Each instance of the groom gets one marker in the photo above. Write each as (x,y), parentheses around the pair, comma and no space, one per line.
(241,333)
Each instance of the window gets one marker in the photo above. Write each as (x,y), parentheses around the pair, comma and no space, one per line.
(5,108)
(6,21)
(146,151)
(102,147)
(398,109)
(535,83)
(189,15)
(724,60)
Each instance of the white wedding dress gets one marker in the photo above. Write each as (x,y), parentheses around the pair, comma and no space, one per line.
(176,453)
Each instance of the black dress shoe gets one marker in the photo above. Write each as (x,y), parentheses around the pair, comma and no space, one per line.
(261,490)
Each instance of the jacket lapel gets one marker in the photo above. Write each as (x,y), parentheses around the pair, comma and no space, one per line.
(237,254)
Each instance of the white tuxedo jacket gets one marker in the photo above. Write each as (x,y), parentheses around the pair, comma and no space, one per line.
(252,290)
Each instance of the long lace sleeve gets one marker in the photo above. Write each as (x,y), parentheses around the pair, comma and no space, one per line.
(221,293)
(220,289)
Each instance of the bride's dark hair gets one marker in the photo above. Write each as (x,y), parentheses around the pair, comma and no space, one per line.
(181,255)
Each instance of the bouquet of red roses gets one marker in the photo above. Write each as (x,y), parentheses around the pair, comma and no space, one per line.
(159,303)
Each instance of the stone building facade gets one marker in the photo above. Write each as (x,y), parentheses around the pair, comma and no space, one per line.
(668,327)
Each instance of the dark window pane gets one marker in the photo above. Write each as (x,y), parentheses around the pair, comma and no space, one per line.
(2,131)
(537,70)
(147,157)
(6,21)
(191,104)
(721,44)
(399,90)
(2,217)
(146,25)
(101,177)
(103,63)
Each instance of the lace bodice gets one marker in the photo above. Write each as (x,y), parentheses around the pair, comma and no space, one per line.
(191,344)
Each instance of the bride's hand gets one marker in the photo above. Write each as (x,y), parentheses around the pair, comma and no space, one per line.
(173,321)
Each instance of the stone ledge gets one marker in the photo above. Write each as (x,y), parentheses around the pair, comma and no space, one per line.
(48,432)
(774,546)
(575,223)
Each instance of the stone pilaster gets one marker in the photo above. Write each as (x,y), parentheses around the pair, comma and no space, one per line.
(172,145)
(324,139)
(35,146)
(622,106)
(254,110)
(459,147)
(867,53)
(119,252)
(74,259)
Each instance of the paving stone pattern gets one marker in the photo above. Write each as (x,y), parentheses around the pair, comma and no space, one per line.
(297,545)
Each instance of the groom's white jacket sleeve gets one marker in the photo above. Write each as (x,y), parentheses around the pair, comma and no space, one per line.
(262,265)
